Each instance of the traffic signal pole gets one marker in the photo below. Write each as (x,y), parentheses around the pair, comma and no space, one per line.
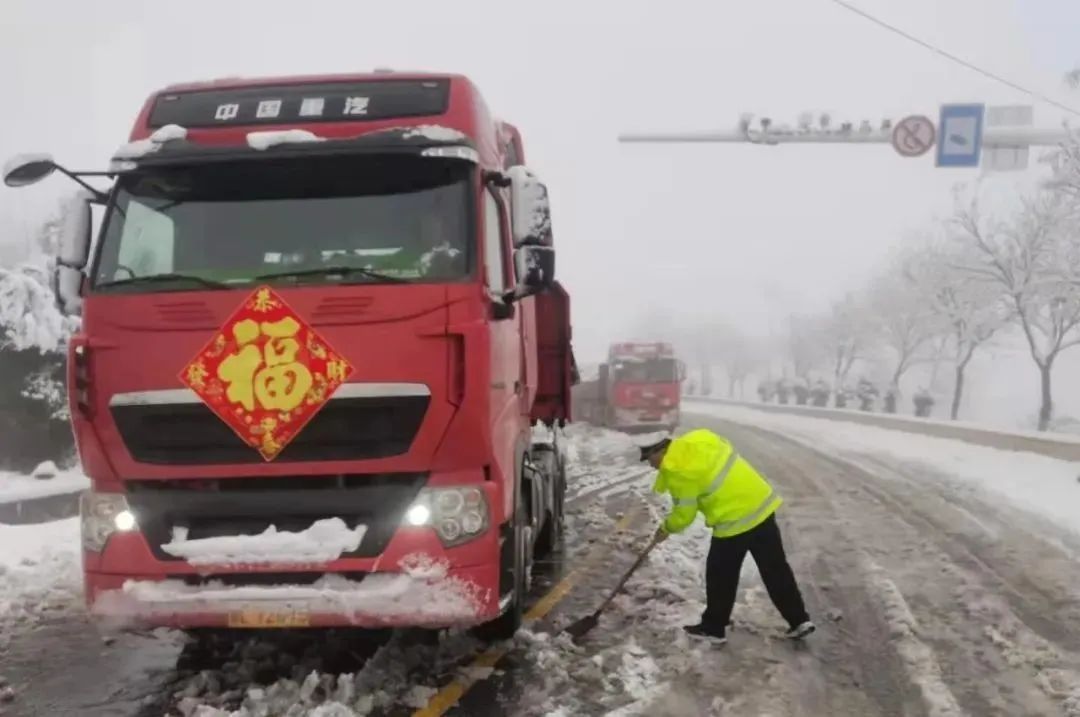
(1003,137)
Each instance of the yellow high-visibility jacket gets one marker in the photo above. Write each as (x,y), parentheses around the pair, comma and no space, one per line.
(702,472)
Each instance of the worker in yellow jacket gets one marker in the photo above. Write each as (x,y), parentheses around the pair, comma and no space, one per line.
(703,473)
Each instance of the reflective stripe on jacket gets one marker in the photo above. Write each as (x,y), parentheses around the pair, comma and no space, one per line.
(703,472)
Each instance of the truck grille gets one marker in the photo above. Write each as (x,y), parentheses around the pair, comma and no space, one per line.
(248,506)
(345,429)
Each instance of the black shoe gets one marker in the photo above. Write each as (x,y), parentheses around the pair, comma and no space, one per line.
(800,631)
(701,632)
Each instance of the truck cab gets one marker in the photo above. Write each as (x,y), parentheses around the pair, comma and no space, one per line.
(323,361)
(639,386)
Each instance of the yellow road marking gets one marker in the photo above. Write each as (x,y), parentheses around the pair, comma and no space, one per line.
(441,702)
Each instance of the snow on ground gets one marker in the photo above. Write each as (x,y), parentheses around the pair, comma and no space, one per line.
(1047,486)
(14,487)
(324,541)
(39,571)
(598,459)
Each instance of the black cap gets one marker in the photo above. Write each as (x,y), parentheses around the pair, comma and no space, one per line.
(648,450)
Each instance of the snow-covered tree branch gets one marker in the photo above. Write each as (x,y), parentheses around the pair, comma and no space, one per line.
(1022,258)
(970,307)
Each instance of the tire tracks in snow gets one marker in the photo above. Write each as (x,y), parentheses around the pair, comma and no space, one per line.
(1001,647)
(842,583)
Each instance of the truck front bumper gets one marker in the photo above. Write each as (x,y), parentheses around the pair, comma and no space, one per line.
(459,596)
(414,583)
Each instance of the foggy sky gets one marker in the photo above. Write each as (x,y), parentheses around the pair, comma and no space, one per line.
(741,233)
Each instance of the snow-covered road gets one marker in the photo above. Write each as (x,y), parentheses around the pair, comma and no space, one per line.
(941,588)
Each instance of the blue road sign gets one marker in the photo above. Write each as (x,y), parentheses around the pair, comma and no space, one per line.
(960,135)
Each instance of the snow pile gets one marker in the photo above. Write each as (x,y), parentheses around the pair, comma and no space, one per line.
(45,470)
(377,598)
(29,318)
(436,133)
(143,147)
(311,686)
(39,572)
(265,139)
(15,487)
(324,541)
(1047,486)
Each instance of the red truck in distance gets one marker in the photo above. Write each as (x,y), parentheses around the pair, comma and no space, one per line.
(323,361)
(637,390)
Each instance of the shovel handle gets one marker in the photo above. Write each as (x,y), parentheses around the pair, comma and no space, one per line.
(625,578)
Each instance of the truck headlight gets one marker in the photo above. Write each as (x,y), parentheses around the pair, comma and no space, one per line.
(101,515)
(457,514)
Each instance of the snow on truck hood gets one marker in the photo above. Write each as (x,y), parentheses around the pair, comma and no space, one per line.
(324,541)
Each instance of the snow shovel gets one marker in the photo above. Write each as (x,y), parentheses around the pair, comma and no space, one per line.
(578,628)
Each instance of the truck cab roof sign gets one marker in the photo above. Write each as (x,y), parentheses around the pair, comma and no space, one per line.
(301,103)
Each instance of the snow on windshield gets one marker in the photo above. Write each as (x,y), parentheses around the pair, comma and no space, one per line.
(324,541)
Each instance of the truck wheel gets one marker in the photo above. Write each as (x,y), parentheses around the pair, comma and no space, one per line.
(506,625)
(552,532)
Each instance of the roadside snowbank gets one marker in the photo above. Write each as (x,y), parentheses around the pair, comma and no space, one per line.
(39,571)
(1047,486)
(15,487)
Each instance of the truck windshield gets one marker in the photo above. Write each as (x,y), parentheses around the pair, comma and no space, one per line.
(311,220)
(646,371)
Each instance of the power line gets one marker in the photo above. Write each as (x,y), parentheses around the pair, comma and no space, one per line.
(959,60)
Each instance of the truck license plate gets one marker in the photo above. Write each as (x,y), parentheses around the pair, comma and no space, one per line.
(259,619)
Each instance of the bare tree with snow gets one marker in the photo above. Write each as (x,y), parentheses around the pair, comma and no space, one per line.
(971,308)
(805,344)
(1023,259)
(906,321)
(847,334)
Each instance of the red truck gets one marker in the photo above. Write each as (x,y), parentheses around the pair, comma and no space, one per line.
(637,389)
(323,361)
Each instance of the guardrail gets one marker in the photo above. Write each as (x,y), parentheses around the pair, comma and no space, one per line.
(1052,445)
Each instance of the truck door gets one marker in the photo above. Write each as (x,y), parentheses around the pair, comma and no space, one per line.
(505,333)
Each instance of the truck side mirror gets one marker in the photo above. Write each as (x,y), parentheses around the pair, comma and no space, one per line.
(25,169)
(67,287)
(534,267)
(73,254)
(530,209)
(74,244)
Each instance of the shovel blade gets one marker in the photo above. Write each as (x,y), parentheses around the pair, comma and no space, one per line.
(578,628)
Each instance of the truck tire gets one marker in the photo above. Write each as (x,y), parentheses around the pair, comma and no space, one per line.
(552,533)
(506,625)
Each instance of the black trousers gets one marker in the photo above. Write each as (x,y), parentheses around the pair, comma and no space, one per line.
(725,561)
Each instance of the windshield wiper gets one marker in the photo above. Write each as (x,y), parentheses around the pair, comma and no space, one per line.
(155,278)
(330,270)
